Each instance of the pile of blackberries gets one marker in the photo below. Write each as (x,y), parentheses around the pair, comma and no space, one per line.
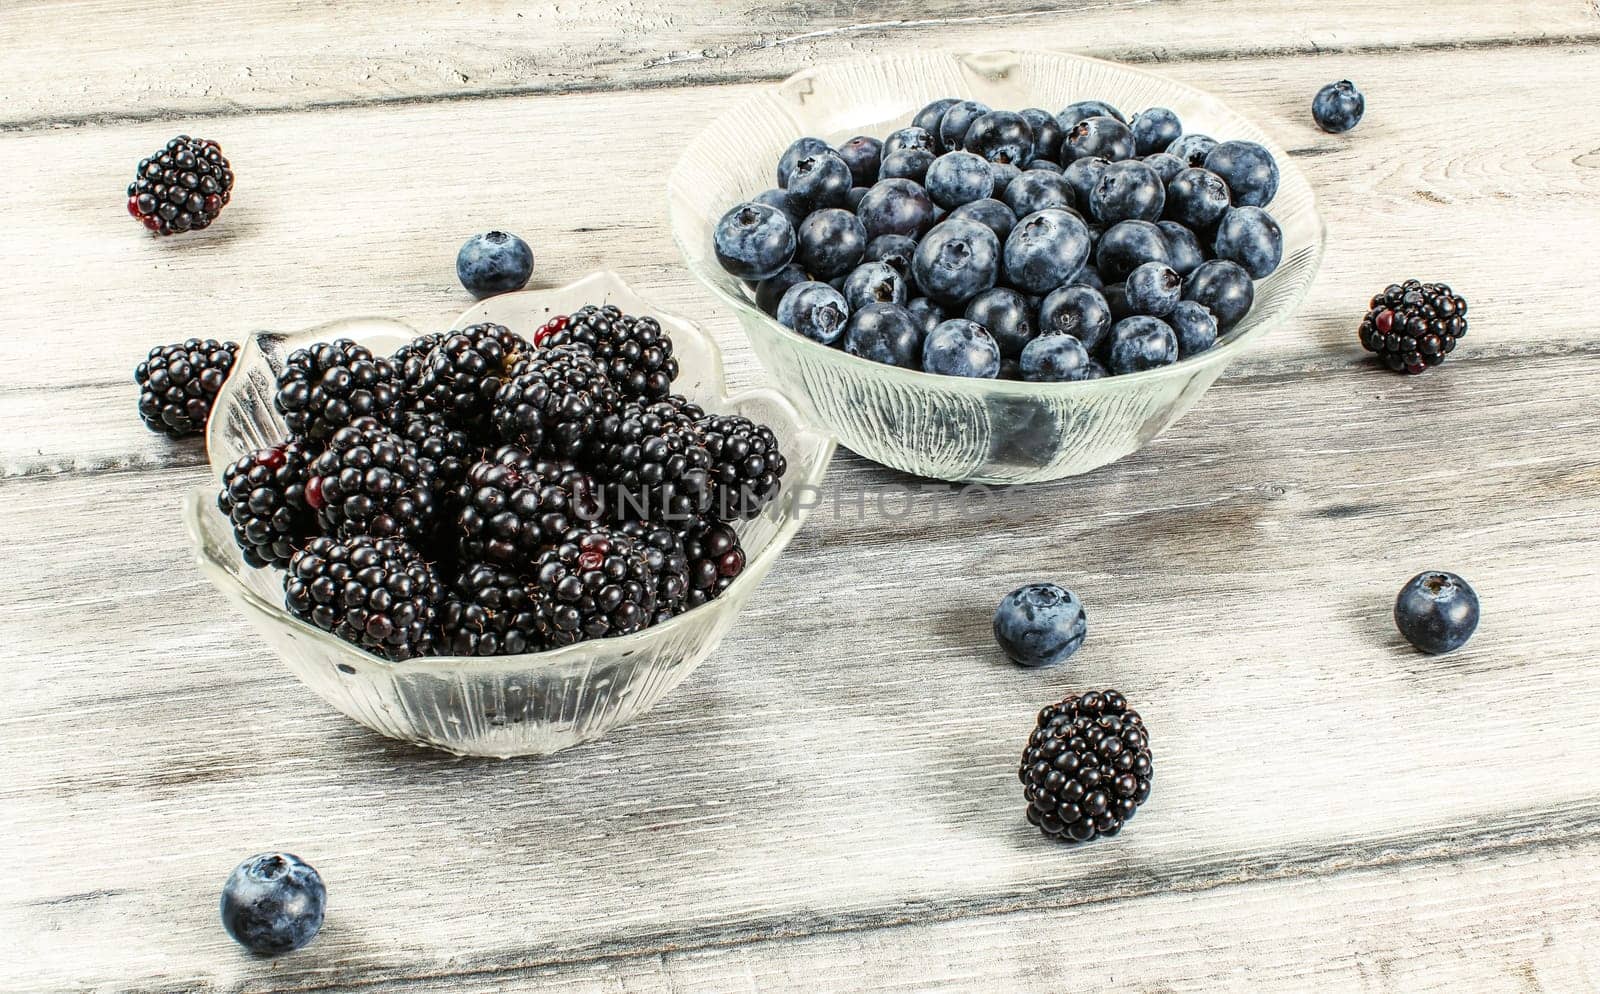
(482,493)
(1020,245)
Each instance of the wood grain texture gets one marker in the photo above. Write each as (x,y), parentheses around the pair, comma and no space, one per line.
(166,58)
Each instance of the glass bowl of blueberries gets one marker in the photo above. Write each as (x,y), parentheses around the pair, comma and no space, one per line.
(999,267)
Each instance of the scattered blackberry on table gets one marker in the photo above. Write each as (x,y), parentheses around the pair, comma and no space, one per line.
(514,504)
(554,400)
(178,383)
(595,582)
(370,481)
(1414,325)
(1087,767)
(634,351)
(464,371)
(490,611)
(376,593)
(264,496)
(327,386)
(715,560)
(273,903)
(182,187)
(747,466)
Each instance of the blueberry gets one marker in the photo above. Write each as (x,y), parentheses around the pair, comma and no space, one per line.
(1126,246)
(928,117)
(905,138)
(1055,359)
(1250,237)
(863,154)
(1037,190)
(1154,130)
(1196,198)
(1076,310)
(1007,316)
(1127,191)
(1195,327)
(853,200)
(992,214)
(1436,611)
(1249,170)
(1001,136)
(1141,342)
(1223,288)
(1085,109)
(959,347)
(894,250)
(771,290)
(1040,624)
(874,283)
(958,178)
(831,243)
(1004,173)
(1154,289)
(815,310)
(1046,250)
(1338,107)
(1193,149)
(1082,175)
(494,262)
(819,181)
(896,207)
(1184,251)
(783,202)
(1047,133)
(754,241)
(1090,277)
(1044,165)
(952,132)
(956,261)
(927,313)
(885,333)
(797,151)
(1165,164)
(273,903)
(1105,137)
(1010,369)
(908,163)
(1117,301)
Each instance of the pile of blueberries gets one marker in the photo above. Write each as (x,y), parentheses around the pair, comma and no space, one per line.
(1019,245)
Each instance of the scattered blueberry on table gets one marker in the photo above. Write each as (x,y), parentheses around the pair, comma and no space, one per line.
(1436,611)
(273,903)
(1338,107)
(494,262)
(1040,624)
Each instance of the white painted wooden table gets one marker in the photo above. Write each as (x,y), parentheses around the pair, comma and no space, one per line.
(830,804)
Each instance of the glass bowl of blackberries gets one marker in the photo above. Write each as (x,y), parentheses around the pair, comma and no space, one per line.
(996,267)
(506,537)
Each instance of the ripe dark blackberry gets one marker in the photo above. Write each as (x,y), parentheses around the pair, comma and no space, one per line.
(370,481)
(554,402)
(264,495)
(464,371)
(410,361)
(182,187)
(374,592)
(663,549)
(178,383)
(514,504)
(746,465)
(1414,325)
(596,583)
(1087,767)
(489,612)
(329,385)
(715,560)
(635,352)
(448,448)
(654,463)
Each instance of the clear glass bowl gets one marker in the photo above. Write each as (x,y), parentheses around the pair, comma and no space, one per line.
(946,427)
(530,704)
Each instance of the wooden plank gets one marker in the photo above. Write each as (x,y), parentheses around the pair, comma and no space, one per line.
(1410,193)
(89,62)
(846,762)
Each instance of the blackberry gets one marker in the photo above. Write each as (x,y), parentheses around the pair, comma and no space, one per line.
(746,466)
(448,448)
(410,361)
(377,593)
(461,375)
(178,383)
(595,583)
(182,187)
(513,505)
(554,401)
(329,385)
(1414,325)
(370,481)
(715,560)
(634,351)
(1087,767)
(489,612)
(655,462)
(664,554)
(264,496)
